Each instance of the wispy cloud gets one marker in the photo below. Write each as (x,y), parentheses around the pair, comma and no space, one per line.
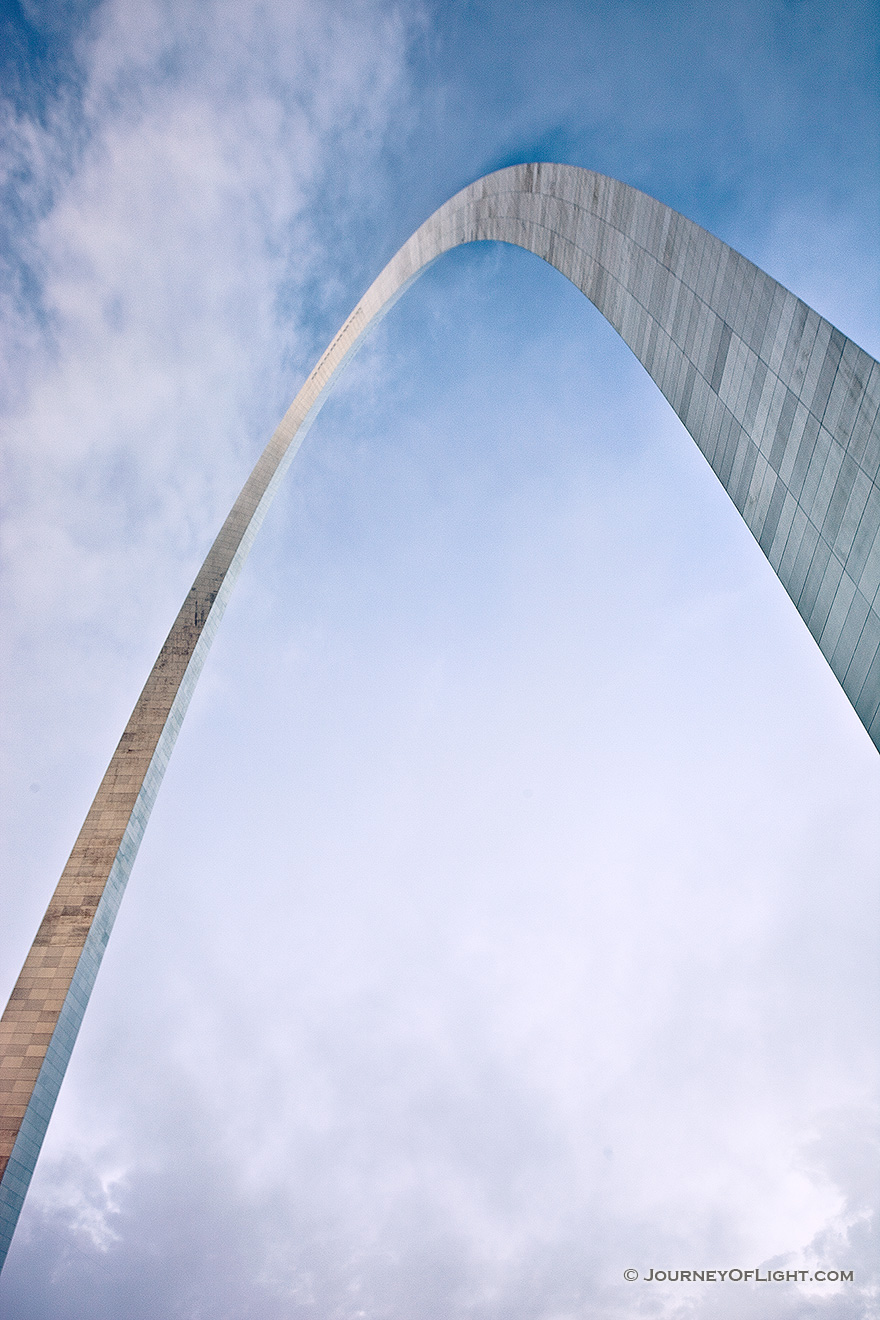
(150,345)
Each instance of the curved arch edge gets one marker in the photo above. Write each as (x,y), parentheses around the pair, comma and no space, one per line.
(782,405)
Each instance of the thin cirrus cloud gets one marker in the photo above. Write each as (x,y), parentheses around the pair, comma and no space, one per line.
(504,921)
(158,264)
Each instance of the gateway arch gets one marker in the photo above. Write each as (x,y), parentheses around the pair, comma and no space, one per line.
(783,406)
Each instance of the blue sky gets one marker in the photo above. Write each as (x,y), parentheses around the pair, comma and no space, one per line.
(508,917)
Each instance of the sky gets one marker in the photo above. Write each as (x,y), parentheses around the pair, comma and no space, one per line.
(508,917)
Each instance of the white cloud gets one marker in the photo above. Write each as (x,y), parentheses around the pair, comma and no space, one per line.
(162,355)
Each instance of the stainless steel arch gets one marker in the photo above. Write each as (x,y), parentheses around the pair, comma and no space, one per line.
(783,406)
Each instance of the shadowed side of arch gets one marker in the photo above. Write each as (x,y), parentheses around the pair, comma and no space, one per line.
(782,405)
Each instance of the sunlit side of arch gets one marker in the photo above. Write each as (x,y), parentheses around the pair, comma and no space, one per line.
(783,406)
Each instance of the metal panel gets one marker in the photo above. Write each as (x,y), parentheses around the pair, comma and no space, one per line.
(715,333)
